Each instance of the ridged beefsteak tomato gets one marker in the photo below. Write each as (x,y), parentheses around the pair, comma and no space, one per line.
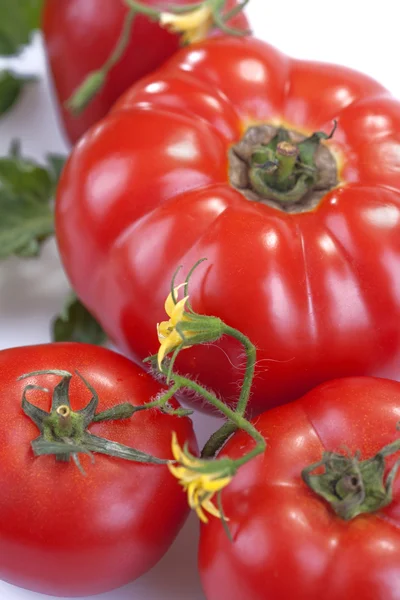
(213,156)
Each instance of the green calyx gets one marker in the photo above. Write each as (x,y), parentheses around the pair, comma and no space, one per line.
(199,329)
(63,432)
(352,486)
(285,171)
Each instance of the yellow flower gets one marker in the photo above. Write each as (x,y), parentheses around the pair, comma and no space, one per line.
(194,25)
(168,336)
(184,328)
(200,486)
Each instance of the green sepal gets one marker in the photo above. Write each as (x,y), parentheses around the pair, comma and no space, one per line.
(92,444)
(285,171)
(353,487)
(67,437)
(42,447)
(224,519)
(308,147)
(258,181)
(61,393)
(116,450)
(36,414)
(264,156)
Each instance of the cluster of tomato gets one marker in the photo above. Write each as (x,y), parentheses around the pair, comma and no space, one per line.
(303,257)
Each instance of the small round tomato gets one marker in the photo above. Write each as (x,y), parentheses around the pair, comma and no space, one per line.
(67,532)
(79,36)
(290,542)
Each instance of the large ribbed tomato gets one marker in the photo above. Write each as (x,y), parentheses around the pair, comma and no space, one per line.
(314,284)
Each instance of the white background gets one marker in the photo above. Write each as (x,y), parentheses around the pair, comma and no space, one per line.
(356,33)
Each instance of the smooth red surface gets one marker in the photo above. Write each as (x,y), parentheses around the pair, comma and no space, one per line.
(80,35)
(147,190)
(65,534)
(287,541)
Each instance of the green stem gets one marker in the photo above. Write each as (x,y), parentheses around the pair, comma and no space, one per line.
(94,82)
(178,10)
(218,439)
(231,14)
(237,419)
(287,154)
(122,42)
(116,413)
(220,22)
(162,401)
(138,7)
(250,366)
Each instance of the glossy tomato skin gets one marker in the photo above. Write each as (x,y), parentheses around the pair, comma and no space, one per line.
(287,542)
(147,190)
(65,534)
(80,35)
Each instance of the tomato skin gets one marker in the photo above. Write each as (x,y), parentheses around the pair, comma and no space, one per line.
(80,35)
(147,190)
(287,541)
(65,534)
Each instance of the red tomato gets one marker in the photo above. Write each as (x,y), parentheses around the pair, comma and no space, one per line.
(287,541)
(66,534)
(316,291)
(80,35)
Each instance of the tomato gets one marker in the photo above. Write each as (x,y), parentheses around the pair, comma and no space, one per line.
(147,190)
(67,534)
(287,541)
(79,36)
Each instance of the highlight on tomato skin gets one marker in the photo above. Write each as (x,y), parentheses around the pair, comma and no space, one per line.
(280,526)
(97,521)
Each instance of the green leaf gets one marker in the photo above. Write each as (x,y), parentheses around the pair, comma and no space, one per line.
(76,324)
(25,178)
(26,203)
(56,163)
(102,445)
(11,86)
(18,20)
(24,225)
